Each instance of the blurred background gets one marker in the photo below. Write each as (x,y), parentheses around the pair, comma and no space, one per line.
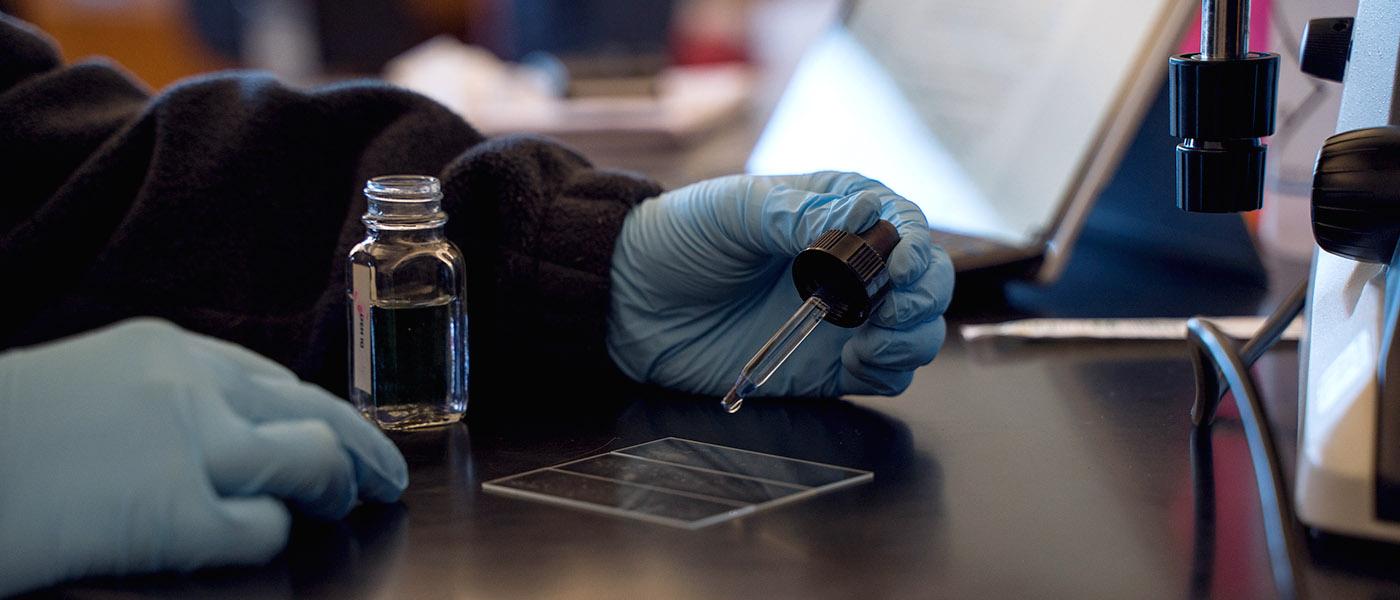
(161,41)
(676,89)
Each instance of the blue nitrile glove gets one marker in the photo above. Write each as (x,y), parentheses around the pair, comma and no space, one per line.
(142,447)
(701,278)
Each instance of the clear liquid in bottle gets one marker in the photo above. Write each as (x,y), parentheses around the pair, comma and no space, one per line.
(413,362)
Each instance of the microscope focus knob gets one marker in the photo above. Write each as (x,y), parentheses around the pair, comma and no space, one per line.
(1326,48)
(1356,194)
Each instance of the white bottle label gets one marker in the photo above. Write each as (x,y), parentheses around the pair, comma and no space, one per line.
(361,280)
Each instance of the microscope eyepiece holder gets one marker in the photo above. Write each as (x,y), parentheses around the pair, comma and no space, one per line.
(1221,107)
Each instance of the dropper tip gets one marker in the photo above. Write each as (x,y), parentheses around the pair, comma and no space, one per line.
(732,401)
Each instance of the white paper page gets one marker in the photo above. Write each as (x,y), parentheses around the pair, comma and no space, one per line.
(981,112)
(1016,89)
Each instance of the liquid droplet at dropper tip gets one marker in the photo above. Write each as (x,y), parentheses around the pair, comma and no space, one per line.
(732,401)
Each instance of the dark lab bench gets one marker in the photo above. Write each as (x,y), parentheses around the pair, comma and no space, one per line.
(1009,469)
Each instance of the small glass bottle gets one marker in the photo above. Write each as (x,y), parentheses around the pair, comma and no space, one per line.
(408,327)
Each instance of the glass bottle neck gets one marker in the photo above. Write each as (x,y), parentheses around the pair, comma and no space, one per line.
(404,207)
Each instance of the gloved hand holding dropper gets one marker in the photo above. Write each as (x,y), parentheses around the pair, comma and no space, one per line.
(702,277)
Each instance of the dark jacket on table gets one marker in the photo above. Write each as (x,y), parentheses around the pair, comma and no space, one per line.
(227,204)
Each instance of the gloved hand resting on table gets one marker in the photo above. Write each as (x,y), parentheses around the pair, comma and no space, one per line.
(142,447)
(701,278)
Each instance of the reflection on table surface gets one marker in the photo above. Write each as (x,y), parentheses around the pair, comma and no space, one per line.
(1007,469)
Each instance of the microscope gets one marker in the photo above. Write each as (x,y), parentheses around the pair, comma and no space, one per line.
(1348,477)
(1348,463)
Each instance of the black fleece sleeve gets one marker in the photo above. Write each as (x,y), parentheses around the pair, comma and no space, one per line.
(227,204)
(537,225)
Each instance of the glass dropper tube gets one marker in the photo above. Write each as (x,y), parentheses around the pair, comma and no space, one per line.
(776,350)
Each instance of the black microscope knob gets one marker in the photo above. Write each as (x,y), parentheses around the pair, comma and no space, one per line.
(1356,194)
(1326,48)
(1222,108)
(1226,178)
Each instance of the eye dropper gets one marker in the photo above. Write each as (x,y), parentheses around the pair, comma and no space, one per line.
(842,279)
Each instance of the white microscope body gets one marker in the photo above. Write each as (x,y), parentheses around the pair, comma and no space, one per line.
(1340,449)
